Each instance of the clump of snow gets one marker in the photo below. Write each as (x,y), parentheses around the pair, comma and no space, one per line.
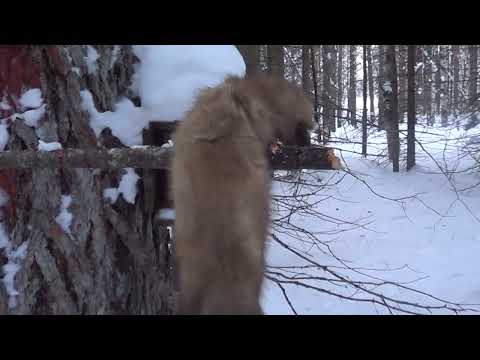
(91,59)
(11,268)
(127,188)
(166,214)
(4,104)
(31,117)
(64,218)
(126,121)
(169,76)
(4,136)
(387,86)
(31,99)
(52,146)
(168,144)
(76,70)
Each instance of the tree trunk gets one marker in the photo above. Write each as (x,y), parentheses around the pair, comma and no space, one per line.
(402,82)
(456,77)
(411,107)
(370,84)
(428,85)
(250,54)
(306,70)
(276,64)
(390,96)
(315,93)
(114,260)
(340,86)
(381,111)
(328,89)
(472,86)
(364,114)
(352,90)
(438,84)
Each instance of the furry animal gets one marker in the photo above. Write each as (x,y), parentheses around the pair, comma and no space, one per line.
(221,189)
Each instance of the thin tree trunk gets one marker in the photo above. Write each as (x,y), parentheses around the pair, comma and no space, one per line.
(328,90)
(390,96)
(364,114)
(472,88)
(340,86)
(251,56)
(315,93)
(114,259)
(370,84)
(352,90)
(428,85)
(411,108)
(276,59)
(381,105)
(402,82)
(306,70)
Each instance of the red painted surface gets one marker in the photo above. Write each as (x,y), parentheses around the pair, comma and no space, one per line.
(18,71)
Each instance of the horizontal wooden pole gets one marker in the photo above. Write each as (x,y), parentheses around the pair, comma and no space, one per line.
(148,157)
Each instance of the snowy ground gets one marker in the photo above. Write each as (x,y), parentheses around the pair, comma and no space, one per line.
(405,241)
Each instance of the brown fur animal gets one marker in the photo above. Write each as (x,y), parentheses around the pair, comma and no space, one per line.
(221,190)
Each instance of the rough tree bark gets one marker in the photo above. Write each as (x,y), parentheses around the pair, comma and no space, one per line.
(352,90)
(381,108)
(340,86)
(275,56)
(364,114)
(402,82)
(251,56)
(329,96)
(472,85)
(370,83)
(390,95)
(411,107)
(116,260)
(306,71)
(427,80)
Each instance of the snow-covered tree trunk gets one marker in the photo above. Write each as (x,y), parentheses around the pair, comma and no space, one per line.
(70,251)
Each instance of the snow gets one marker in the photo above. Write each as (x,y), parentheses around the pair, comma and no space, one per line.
(4,104)
(31,117)
(387,86)
(13,265)
(31,99)
(64,218)
(429,242)
(127,188)
(4,136)
(167,80)
(126,121)
(166,214)
(48,146)
(169,76)
(76,70)
(91,59)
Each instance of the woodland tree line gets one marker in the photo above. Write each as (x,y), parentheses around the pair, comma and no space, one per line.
(410,83)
